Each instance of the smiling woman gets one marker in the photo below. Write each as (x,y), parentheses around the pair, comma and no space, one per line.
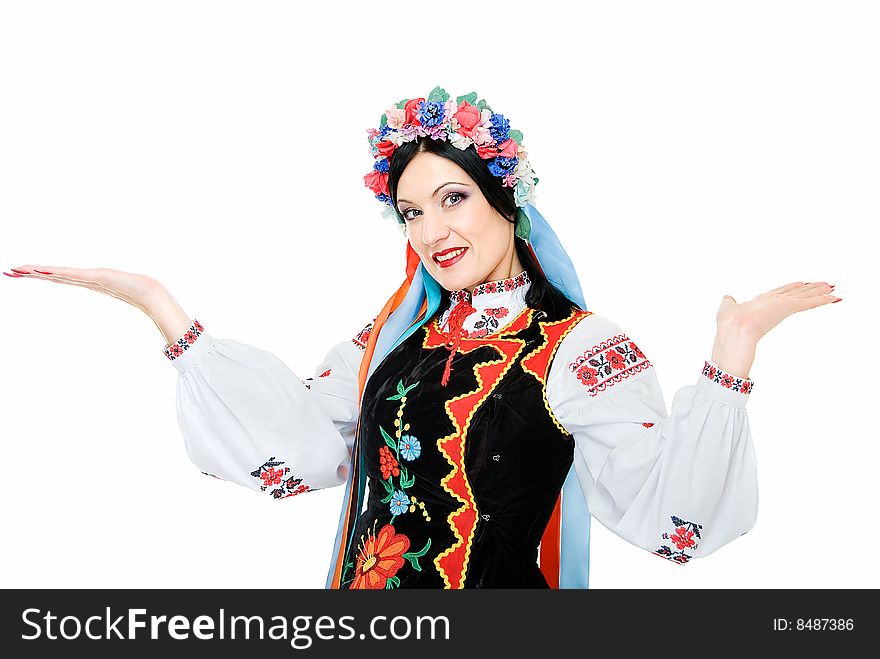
(484,415)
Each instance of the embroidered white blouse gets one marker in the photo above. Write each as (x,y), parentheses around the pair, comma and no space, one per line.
(679,485)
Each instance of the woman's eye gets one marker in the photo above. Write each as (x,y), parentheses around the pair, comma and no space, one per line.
(459,195)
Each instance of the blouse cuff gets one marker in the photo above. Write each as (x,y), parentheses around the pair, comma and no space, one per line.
(724,386)
(190,347)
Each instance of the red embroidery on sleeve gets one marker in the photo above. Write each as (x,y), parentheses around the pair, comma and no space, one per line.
(325,374)
(360,340)
(271,474)
(608,363)
(684,536)
(725,379)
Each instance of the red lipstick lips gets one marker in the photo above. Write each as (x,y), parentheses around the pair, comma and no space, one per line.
(453,260)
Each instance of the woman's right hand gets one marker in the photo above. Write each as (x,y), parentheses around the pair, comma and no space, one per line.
(145,293)
(137,290)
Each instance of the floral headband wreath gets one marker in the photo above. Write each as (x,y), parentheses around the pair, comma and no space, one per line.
(461,122)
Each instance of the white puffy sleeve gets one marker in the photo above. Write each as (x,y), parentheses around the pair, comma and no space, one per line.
(247,418)
(679,485)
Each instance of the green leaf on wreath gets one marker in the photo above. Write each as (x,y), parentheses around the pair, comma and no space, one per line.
(516,136)
(470,98)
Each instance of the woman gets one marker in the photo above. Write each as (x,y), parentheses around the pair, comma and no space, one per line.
(484,406)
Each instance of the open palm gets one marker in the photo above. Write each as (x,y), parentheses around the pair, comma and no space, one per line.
(764,312)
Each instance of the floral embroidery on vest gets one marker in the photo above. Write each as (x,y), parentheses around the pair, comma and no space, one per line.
(176,349)
(725,379)
(683,538)
(270,476)
(381,555)
(608,363)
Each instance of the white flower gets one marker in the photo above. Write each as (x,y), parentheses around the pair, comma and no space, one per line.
(459,141)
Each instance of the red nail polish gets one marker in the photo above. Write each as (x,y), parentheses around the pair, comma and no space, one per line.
(42,273)
(21,272)
(837,300)
(8,275)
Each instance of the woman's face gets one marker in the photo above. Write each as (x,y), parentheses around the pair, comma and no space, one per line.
(445,211)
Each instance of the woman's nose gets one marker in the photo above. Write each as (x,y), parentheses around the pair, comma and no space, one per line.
(434,229)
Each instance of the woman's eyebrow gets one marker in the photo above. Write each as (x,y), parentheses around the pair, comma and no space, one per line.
(437,190)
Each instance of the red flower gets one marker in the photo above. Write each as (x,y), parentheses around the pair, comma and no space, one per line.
(587,376)
(683,537)
(636,349)
(272,476)
(615,359)
(411,112)
(386,148)
(487,151)
(380,558)
(388,463)
(377,182)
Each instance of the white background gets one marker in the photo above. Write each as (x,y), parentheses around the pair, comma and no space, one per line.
(685,150)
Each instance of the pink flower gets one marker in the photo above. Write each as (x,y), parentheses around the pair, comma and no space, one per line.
(468,117)
(395,117)
(508,149)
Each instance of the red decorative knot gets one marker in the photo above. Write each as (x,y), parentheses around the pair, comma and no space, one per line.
(176,349)
(454,322)
(725,379)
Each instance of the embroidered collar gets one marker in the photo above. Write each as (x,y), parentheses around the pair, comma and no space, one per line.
(494,303)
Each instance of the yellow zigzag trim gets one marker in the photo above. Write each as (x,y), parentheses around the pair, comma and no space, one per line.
(462,433)
(543,382)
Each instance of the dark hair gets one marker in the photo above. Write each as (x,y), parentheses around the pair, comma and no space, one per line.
(541,294)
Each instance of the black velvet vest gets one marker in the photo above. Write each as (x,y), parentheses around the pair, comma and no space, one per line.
(462,478)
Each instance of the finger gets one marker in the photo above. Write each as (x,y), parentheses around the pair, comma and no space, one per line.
(812,290)
(61,275)
(788,287)
(816,301)
(84,278)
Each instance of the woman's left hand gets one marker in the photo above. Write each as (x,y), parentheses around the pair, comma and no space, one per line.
(761,314)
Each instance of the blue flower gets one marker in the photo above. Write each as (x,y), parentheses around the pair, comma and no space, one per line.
(381,165)
(383,131)
(384,198)
(410,448)
(500,166)
(500,130)
(431,113)
(399,502)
